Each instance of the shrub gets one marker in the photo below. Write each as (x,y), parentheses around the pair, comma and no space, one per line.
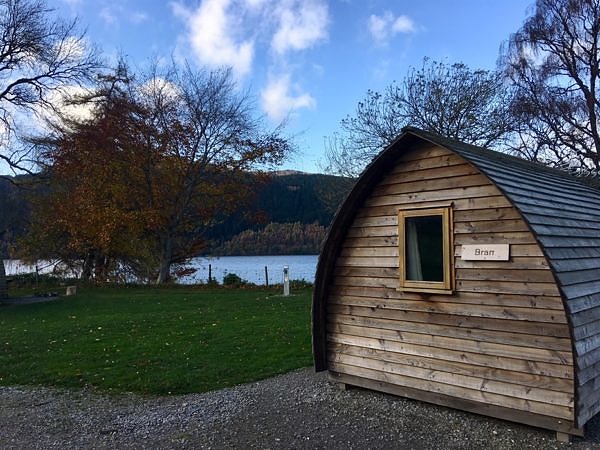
(232,279)
(212,282)
(300,284)
(34,280)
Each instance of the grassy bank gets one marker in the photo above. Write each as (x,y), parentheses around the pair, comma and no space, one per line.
(155,340)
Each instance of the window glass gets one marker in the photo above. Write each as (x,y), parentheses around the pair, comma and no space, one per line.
(424,243)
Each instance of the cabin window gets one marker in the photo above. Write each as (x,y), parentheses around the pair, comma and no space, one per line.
(425,249)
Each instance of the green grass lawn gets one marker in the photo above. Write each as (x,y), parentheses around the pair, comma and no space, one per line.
(155,340)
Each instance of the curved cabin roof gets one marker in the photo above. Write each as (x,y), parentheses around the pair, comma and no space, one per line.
(562,213)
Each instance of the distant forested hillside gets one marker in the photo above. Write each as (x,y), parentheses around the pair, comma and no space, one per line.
(275,239)
(14,212)
(308,201)
(290,198)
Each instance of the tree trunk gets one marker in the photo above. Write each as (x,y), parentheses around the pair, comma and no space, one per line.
(100,268)
(3,286)
(166,255)
(88,265)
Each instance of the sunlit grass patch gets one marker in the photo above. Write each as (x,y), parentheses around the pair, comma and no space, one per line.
(155,340)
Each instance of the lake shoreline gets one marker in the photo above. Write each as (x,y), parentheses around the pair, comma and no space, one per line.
(248,268)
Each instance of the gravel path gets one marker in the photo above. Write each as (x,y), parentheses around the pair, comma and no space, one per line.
(297,410)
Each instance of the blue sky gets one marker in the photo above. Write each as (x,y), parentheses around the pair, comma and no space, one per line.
(308,60)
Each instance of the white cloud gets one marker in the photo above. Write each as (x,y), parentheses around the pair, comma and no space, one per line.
(75,112)
(138,17)
(301,24)
(73,48)
(108,16)
(231,32)
(62,101)
(278,101)
(377,27)
(384,27)
(212,34)
(256,4)
(403,24)
(158,87)
(113,13)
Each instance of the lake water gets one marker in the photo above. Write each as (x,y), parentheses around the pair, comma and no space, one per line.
(16,266)
(252,268)
(249,268)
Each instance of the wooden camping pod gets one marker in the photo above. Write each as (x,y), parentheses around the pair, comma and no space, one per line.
(518,338)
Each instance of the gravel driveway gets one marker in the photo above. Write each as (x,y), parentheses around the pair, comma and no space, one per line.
(297,410)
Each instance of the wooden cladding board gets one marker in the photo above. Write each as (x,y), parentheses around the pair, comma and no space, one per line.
(500,339)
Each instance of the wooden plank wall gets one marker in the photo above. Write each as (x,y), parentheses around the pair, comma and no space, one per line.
(502,339)
(565,216)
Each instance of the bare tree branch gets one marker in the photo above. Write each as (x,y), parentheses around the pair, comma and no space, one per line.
(554,64)
(39,57)
(453,100)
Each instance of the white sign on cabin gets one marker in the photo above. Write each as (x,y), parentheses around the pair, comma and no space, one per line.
(485,252)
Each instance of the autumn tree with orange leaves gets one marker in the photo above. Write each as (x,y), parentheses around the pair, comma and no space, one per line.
(86,212)
(41,55)
(160,160)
